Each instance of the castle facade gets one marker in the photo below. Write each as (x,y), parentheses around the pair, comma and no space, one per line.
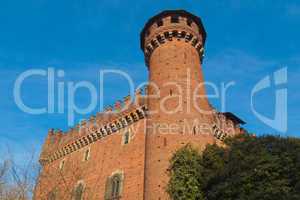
(124,152)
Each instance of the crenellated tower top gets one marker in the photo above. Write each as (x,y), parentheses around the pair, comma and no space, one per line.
(169,25)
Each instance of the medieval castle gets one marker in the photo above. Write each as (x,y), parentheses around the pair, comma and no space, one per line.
(124,152)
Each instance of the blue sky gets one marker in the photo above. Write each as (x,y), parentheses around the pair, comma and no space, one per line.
(247,40)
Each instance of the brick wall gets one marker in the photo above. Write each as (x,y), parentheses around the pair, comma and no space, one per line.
(107,156)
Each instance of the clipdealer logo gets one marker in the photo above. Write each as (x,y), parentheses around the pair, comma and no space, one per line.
(279,122)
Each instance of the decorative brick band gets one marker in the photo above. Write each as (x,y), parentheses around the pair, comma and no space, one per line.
(97,134)
(169,36)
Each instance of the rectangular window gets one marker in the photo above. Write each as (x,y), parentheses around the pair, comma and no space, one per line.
(61,164)
(126,137)
(86,155)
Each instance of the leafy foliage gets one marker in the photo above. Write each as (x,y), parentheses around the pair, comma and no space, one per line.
(249,168)
(185,167)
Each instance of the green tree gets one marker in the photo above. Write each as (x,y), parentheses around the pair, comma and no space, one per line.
(185,184)
(266,167)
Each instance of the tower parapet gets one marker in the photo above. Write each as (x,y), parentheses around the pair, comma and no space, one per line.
(173,25)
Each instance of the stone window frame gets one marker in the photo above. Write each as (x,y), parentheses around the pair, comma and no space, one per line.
(86,154)
(62,164)
(74,197)
(110,190)
(126,136)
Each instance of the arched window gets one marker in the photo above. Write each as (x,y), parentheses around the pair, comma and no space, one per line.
(114,186)
(78,192)
(116,183)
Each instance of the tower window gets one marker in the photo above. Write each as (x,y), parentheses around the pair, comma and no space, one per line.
(78,192)
(61,164)
(175,19)
(160,23)
(126,137)
(171,92)
(86,155)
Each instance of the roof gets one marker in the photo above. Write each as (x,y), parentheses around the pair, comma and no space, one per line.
(233,117)
(165,13)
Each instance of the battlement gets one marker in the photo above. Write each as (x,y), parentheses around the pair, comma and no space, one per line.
(169,25)
(116,117)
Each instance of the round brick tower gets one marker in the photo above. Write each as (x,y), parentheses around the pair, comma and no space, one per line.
(179,111)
